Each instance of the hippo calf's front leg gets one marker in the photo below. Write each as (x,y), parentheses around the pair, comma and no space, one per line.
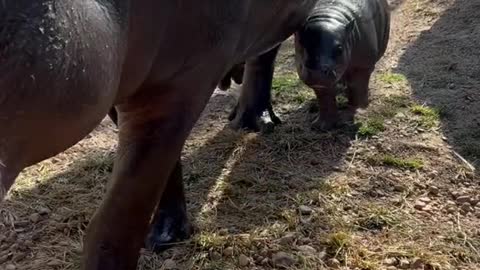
(357,88)
(255,96)
(327,117)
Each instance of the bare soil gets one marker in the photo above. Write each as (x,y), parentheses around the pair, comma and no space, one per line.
(396,191)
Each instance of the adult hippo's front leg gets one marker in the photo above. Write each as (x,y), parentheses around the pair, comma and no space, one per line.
(153,128)
(170,223)
(255,96)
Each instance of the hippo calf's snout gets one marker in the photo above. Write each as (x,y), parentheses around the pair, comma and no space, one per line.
(322,76)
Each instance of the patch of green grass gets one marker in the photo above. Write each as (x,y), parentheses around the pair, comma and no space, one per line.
(286,83)
(408,164)
(371,127)
(289,87)
(392,78)
(339,242)
(429,117)
(377,218)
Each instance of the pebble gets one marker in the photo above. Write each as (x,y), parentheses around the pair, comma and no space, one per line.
(282,259)
(433,190)
(169,264)
(419,205)
(287,239)
(474,201)
(306,249)
(390,261)
(35,217)
(10,267)
(334,263)
(466,207)
(215,256)
(305,210)
(404,264)
(425,199)
(243,260)
(463,199)
(228,251)
(43,211)
(417,263)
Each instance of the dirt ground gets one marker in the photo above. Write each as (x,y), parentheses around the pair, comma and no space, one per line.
(396,191)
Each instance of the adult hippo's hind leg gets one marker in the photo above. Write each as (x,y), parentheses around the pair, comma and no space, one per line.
(255,96)
(170,223)
(153,128)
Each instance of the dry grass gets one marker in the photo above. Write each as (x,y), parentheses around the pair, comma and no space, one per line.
(362,186)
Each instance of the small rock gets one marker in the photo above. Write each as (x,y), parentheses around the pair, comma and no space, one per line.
(390,261)
(305,210)
(419,205)
(287,239)
(215,256)
(306,249)
(417,263)
(455,194)
(463,199)
(399,188)
(243,260)
(169,264)
(35,217)
(282,259)
(427,208)
(466,207)
(10,267)
(433,190)
(474,201)
(44,211)
(404,264)
(334,263)
(228,251)
(425,199)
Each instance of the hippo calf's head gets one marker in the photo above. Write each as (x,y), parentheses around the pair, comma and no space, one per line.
(323,50)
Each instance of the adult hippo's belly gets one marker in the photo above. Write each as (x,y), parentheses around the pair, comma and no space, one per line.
(65,63)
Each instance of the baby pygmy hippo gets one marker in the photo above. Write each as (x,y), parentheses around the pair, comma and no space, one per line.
(342,40)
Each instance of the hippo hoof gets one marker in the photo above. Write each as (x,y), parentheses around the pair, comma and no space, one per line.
(265,123)
(168,231)
(324,125)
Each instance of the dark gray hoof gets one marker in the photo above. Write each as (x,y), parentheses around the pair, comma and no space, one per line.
(324,125)
(170,229)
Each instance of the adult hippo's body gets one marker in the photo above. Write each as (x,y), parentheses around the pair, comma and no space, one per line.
(65,63)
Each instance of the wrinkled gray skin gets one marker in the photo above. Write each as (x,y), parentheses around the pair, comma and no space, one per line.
(65,63)
(342,40)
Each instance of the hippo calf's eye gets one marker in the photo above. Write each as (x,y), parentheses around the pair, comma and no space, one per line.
(338,50)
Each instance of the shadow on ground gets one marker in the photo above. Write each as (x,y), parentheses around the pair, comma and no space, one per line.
(443,67)
(235,181)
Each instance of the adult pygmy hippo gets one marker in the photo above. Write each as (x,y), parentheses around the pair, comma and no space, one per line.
(65,63)
(341,40)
